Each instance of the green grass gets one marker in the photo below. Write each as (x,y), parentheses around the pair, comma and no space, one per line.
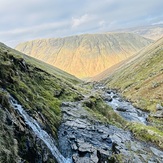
(40,89)
(147,133)
(101,111)
(36,89)
(141,82)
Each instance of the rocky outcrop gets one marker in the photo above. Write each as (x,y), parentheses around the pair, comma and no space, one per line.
(159,112)
(29,147)
(85,55)
(85,139)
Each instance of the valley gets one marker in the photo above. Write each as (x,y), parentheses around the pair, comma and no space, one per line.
(51,116)
(81,81)
(85,55)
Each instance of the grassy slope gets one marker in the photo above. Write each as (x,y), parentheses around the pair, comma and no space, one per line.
(37,86)
(41,88)
(140,79)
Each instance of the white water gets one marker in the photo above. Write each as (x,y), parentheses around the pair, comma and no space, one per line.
(131,113)
(40,133)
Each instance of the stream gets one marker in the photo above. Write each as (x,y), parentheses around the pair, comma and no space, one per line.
(39,132)
(123,107)
(84,139)
(87,140)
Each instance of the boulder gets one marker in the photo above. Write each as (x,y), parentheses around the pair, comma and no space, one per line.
(158,114)
(159,107)
(121,109)
(108,98)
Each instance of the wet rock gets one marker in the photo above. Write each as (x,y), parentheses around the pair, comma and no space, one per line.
(107,98)
(65,104)
(103,155)
(157,152)
(104,137)
(94,158)
(136,159)
(144,156)
(74,147)
(77,159)
(121,109)
(85,147)
(72,137)
(109,91)
(23,65)
(88,140)
(115,149)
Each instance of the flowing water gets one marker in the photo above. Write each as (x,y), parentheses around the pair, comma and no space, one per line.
(123,107)
(126,109)
(40,133)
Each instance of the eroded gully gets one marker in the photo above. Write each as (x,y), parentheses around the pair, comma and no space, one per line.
(86,140)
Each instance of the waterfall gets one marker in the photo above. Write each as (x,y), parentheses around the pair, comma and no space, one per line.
(40,133)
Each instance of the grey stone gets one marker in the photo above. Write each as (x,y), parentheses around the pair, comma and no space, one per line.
(157,152)
(85,147)
(74,147)
(159,107)
(121,109)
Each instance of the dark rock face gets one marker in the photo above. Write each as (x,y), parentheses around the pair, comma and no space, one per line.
(85,140)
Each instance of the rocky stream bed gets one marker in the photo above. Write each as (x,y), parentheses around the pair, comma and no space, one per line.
(86,140)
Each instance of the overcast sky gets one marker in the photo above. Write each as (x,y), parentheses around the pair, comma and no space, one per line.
(23,20)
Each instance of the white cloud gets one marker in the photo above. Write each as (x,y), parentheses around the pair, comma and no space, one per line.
(102,23)
(26,20)
(81,20)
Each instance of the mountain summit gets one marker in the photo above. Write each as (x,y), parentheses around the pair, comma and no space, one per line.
(85,55)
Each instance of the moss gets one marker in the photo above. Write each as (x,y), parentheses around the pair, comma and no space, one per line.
(8,146)
(147,133)
(35,88)
(99,109)
(117,158)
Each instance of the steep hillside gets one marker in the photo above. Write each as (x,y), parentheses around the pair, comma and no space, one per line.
(50,116)
(85,55)
(40,89)
(140,79)
(153,32)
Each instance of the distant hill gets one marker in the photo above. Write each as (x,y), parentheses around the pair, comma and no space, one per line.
(153,32)
(140,78)
(85,55)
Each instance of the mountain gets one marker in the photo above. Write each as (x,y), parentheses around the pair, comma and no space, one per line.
(85,55)
(140,78)
(153,32)
(48,115)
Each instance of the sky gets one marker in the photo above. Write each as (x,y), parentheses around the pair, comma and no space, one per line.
(23,20)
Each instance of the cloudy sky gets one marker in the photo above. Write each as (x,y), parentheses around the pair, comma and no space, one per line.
(23,20)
